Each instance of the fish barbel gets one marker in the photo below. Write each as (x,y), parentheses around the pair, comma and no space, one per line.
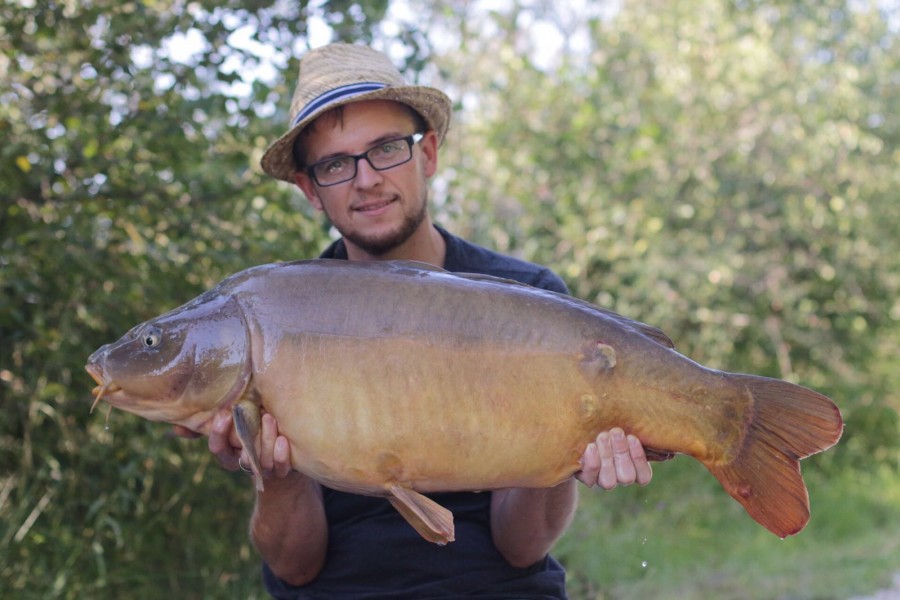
(398,379)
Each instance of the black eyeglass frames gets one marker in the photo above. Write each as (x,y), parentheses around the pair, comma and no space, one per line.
(384,155)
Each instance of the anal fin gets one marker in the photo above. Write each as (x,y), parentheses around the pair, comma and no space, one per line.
(430,519)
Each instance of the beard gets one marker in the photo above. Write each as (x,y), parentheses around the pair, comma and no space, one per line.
(379,245)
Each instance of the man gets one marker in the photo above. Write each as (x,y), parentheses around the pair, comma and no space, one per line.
(362,146)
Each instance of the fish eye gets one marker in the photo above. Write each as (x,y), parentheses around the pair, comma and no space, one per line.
(151,337)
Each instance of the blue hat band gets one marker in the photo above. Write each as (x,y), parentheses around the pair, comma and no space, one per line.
(332,96)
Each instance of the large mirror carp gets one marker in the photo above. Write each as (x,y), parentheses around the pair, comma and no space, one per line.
(398,379)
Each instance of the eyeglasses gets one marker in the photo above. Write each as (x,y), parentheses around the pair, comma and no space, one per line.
(386,155)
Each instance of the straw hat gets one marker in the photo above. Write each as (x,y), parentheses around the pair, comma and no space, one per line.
(339,74)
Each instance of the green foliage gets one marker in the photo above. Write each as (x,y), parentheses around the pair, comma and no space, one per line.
(727,174)
(726,171)
(130,184)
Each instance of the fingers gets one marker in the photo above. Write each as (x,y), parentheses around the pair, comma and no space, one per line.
(223,442)
(616,466)
(273,450)
(614,459)
(643,471)
(590,466)
(267,434)
(282,457)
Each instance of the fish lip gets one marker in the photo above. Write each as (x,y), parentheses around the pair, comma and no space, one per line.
(96,371)
(105,385)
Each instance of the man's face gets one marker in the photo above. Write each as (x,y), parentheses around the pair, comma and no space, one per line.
(376,211)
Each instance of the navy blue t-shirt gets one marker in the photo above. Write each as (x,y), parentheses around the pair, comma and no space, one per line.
(373,553)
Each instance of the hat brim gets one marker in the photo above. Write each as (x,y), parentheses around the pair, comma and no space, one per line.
(434,106)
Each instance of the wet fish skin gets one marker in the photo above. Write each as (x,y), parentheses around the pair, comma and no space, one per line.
(396,379)
(170,368)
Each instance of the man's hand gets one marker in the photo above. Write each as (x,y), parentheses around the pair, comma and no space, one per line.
(274,451)
(614,459)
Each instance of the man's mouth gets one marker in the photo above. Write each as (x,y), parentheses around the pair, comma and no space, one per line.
(369,207)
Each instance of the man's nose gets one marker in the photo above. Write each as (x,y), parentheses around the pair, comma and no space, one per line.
(366,175)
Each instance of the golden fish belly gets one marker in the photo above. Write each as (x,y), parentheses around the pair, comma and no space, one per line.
(363,413)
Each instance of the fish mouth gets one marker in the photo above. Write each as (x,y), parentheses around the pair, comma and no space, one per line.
(104,385)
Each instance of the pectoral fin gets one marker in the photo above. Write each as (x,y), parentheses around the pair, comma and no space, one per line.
(430,519)
(658,455)
(246,423)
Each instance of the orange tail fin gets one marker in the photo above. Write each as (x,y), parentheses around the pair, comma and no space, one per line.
(790,422)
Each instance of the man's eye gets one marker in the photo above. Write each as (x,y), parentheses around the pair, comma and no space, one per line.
(388,148)
(335,166)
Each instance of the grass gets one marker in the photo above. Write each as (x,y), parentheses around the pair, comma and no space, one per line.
(683,537)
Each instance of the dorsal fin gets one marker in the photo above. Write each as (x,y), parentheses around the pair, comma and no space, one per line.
(654,333)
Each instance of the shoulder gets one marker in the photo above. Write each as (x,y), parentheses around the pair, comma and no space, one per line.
(335,249)
(465,257)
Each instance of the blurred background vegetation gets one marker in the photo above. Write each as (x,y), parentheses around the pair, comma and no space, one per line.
(725,170)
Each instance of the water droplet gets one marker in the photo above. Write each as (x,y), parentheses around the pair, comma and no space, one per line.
(644,563)
(644,542)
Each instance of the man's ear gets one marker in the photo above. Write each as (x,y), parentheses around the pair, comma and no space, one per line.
(305,183)
(429,147)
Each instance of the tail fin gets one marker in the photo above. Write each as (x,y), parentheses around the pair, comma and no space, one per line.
(789,422)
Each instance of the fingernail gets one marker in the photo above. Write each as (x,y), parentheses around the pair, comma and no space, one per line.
(617,434)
